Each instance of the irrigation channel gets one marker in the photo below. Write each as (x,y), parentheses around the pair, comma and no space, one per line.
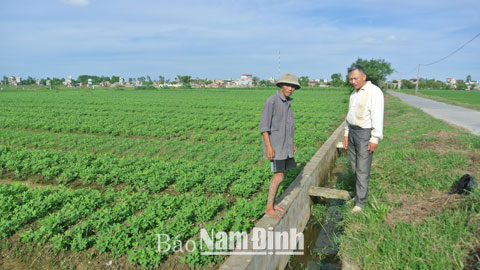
(324,225)
(324,169)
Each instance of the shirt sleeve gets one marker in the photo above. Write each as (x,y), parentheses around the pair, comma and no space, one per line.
(267,114)
(346,129)
(377,116)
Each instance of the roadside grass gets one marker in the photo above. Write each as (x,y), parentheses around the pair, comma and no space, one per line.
(411,222)
(467,99)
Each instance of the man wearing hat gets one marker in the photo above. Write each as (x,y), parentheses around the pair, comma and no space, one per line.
(277,127)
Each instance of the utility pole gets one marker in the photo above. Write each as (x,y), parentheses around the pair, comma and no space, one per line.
(418,78)
(399,84)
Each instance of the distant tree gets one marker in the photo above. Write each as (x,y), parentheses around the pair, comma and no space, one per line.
(265,83)
(377,70)
(149,79)
(461,85)
(184,80)
(431,84)
(105,79)
(256,80)
(407,84)
(161,79)
(28,81)
(57,81)
(303,80)
(5,79)
(469,78)
(95,79)
(115,79)
(83,79)
(336,80)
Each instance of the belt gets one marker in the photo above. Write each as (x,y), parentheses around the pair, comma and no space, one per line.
(357,127)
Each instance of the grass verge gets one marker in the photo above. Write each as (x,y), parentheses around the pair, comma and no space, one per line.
(466,99)
(411,222)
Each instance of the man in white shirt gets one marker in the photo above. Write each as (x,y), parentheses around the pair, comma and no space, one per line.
(363,131)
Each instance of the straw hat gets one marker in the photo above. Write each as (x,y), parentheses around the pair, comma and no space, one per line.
(289,78)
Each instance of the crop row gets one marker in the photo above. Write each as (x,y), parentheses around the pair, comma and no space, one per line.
(170,142)
(147,115)
(126,146)
(117,222)
(151,174)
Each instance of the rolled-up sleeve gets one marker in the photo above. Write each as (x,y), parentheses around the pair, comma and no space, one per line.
(377,116)
(267,114)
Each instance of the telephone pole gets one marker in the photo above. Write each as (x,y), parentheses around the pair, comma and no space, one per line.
(399,85)
(418,78)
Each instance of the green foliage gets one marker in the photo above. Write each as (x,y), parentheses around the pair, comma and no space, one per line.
(166,161)
(303,81)
(146,87)
(184,80)
(432,84)
(28,81)
(461,85)
(96,79)
(377,70)
(336,80)
(407,84)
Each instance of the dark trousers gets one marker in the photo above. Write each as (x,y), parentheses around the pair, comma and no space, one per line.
(361,161)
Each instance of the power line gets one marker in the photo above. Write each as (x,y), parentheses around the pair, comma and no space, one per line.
(441,59)
(452,53)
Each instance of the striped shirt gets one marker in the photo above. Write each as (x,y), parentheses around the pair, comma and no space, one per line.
(366,110)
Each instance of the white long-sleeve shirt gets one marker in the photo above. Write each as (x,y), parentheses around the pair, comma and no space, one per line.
(366,110)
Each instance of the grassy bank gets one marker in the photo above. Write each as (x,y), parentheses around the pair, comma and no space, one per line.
(467,99)
(411,222)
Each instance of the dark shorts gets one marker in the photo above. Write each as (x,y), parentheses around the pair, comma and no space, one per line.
(282,165)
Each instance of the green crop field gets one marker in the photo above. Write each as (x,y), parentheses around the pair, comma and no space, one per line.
(467,99)
(112,168)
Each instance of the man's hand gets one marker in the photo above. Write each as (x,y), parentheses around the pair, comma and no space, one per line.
(294,149)
(270,152)
(372,147)
(345,142)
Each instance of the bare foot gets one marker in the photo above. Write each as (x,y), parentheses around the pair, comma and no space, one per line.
(271,213)
(278,208)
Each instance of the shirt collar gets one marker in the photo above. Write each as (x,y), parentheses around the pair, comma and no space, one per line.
(364,86)
(282,97)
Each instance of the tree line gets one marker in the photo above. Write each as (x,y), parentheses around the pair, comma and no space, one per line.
(377,71)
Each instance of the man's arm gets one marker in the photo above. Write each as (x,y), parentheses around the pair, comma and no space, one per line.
(377,120)
(269,151)
(265,127)
(345,137)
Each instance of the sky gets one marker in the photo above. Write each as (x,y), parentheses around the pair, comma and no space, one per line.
(222,39)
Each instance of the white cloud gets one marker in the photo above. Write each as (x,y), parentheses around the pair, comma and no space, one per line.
(77,3)
(391,37)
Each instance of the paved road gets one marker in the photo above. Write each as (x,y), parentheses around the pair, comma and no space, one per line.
(466,118)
